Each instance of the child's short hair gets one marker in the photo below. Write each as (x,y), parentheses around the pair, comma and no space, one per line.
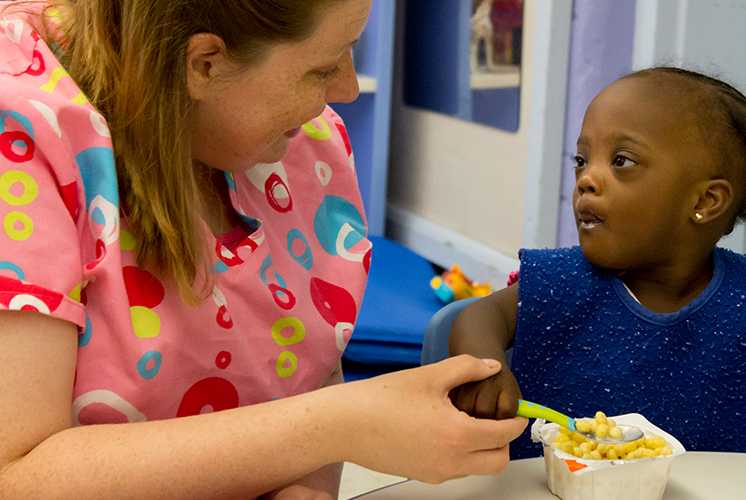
(722,109)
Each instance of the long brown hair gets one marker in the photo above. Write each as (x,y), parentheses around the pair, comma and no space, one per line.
(129,58)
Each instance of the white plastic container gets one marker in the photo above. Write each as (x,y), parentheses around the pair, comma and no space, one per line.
(572,478)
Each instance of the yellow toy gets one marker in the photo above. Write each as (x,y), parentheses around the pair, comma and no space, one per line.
(454,285)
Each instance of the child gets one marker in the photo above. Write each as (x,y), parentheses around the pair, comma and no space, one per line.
(647,315)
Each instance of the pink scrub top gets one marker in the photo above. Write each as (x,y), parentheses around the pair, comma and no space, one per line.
(285,299)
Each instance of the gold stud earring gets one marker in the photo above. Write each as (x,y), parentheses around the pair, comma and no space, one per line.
(698,216)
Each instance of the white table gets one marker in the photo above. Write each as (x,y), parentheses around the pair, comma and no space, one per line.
(694,476)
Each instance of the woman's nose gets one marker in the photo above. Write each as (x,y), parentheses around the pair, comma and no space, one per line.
(344,88)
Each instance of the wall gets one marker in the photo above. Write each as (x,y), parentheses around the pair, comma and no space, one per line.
(467,193)
(596,60)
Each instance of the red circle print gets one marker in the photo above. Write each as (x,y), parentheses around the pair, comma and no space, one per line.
(270,185)
(345,137)
(223,318)
(223,359)
(7,139)
(143,289)
(334,303)
(366,260)
(215,392)
(283,297)
(40,68)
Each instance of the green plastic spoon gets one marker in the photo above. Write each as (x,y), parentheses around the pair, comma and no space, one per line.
(532,410)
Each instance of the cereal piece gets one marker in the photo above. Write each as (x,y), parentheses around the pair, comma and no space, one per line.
(602,431)
(615,432)
(567,446)
(578,438)
(610,423)
(629,447)
(594,424)
(586,447)
(582,425)
(596,455)
(612,454)
(664,450)
(564,431)
(655,442)
(645,452)
(600,417)
(562,438)
(603,448)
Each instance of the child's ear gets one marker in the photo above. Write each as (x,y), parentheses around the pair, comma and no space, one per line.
(206,58)
(715,198)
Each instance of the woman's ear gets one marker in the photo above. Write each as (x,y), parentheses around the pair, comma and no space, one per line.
(715,199)
(206,56)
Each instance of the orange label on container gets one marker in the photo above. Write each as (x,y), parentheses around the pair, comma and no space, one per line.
(574,465)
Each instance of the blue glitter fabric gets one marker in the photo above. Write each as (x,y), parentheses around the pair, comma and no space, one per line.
(583,344)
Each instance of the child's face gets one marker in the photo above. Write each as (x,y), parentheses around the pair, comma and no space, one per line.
(640,156)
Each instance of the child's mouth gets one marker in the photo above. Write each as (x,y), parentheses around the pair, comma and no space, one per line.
(588,220)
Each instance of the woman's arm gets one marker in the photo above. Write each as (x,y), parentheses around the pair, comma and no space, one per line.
(486,329)
(322,483)
(386,424)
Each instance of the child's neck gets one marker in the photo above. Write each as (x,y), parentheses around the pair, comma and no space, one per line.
(670,290)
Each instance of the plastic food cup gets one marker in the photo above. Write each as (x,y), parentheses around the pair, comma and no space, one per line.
(572,478)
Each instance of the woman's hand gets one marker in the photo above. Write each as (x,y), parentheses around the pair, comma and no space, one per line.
(496,397)
(298,492)
(407,426)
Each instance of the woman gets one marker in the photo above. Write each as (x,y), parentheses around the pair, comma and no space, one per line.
(180,167)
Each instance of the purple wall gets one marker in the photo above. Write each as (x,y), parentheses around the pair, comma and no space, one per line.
(600,52)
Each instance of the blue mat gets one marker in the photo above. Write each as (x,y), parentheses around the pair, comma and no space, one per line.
(396,308)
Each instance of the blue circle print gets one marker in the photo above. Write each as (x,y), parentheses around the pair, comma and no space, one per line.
(332,216)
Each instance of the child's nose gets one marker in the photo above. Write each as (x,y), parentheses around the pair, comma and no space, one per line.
(588,181)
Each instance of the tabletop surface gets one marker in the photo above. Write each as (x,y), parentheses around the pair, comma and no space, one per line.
(693,476)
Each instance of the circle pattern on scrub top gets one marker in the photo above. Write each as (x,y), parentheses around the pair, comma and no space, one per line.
(339,226)
(144,292)
(119,410)
(334,303)
(299,249)
(19,296)
(210,394)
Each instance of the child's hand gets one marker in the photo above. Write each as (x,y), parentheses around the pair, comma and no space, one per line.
(496,397)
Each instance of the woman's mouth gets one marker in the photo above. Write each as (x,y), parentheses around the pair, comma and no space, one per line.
(292,133)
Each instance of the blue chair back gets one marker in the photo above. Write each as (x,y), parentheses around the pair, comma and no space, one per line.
(438,330)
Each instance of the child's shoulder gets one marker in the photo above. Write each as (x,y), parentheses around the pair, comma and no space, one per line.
(733,263)
(557,266)
(553,258)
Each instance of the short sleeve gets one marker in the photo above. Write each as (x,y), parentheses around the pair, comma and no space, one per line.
(40,188)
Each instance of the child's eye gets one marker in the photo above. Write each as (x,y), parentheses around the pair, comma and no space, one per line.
(623,161)
(579,161)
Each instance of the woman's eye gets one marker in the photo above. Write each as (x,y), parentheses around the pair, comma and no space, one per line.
(622,161)
(329,73)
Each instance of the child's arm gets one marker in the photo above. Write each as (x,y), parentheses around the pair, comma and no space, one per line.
(486,329)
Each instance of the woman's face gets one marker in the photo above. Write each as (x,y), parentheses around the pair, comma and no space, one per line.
(247,116)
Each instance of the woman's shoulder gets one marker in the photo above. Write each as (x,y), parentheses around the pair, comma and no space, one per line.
(41,104)
(19,39)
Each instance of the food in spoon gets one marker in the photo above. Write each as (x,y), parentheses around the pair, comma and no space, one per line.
(577,445)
